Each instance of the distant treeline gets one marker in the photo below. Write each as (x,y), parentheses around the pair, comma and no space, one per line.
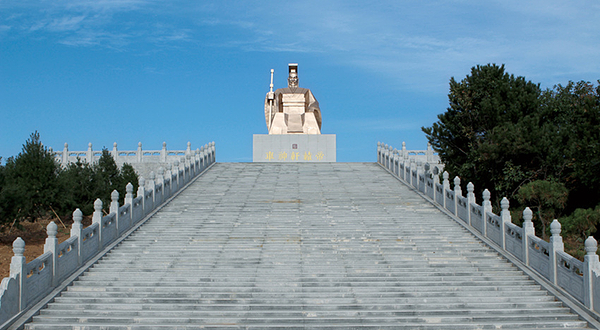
(34,185)
(539,148)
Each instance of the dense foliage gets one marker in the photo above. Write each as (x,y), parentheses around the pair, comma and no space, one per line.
(33,184)
(539,148)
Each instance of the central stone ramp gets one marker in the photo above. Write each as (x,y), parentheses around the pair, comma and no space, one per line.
(338,245)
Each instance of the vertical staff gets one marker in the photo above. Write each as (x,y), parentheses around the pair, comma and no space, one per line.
(271,98)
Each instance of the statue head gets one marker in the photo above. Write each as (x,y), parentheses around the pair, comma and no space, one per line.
(293,77)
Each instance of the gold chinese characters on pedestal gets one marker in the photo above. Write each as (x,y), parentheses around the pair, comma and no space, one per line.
(292,110)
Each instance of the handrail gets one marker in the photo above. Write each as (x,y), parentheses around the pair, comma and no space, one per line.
(29,282)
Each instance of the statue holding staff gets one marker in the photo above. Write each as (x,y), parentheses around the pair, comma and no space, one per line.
(292,110)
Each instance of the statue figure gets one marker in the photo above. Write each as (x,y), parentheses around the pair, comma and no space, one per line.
(292,110)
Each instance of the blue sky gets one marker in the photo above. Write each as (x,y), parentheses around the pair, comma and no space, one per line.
(149,71)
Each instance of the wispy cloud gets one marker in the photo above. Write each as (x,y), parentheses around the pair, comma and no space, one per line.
(415,45)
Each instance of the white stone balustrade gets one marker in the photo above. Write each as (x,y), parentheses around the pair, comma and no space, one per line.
(580,279)
(29,282)
(90,156)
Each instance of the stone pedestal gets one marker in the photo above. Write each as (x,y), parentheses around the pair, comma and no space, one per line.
(290,148)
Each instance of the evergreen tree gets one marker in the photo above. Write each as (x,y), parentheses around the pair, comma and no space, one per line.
(485,135)
(107,178)
(31,185)
(77,183)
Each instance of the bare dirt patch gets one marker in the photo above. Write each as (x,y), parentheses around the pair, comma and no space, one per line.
(34,234)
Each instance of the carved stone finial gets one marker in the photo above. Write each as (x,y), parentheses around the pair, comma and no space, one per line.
(486,195)
(152,176)
(77,216)
(591,246)
(129,188)
(52,229)
(161,171)
(66,145)
(446,175)
(555,228)
(98,205)
(142,181)
(504,204)
(470,187)
(19,247)
(527,214)
(139,144)
(115,144)
(90,145)
(114,196)
(456,181)
(176,162)
(189,144)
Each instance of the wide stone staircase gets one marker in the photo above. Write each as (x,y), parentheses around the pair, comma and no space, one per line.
(324,246)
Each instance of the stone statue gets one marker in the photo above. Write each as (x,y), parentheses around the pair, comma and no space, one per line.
(292,110)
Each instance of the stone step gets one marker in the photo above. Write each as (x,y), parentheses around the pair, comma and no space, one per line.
(351,299)
(317,321)
(248,287)
(496,307)
(260,246)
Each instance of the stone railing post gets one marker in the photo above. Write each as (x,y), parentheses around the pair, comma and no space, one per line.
(151,185)
(446,185)
(213,153)
(97,218)
(169,174)
(207,154)
(175,170)
(470,199)
(429,153)
(65,155)
(188,150)
(163,153)
(379,152)
(129,194)
(142,192)
(505,216)
(198,162)
(182,172)
(115,153)
(139,152)
(17,263)
(528,229)
(384,151)
(487,207)
(202,159)
(389,158)
(114,208)
(427,176)
(404,152)
(90,154)
(77,230)
(457,193)
(161,181)
(52,247)
(191,165)
(556,244)
(413,166)
(394,168)
(590,264)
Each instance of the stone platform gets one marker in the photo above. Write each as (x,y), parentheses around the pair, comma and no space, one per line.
(294,148)
(258,246)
